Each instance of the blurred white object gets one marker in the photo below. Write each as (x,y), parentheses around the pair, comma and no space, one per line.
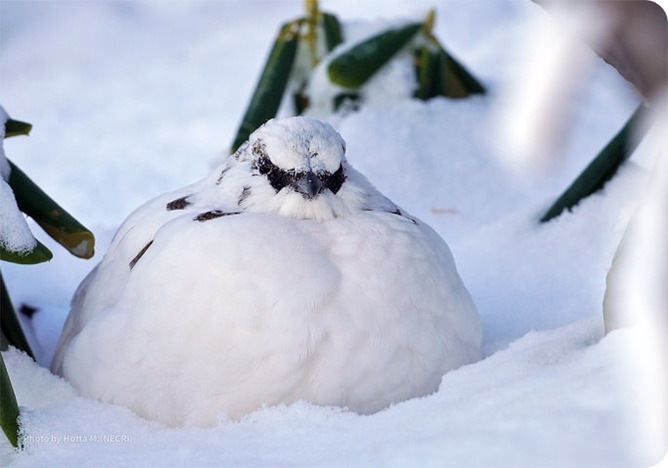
(632,36)
(536,109)
(636,296)
(557,61)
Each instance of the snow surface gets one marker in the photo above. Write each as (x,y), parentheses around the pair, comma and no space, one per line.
(132,99)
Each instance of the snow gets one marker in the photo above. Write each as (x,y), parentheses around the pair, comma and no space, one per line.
(133,99)
(15,234)
(502,401)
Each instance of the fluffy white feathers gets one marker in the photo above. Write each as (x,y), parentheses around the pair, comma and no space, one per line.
(284,275)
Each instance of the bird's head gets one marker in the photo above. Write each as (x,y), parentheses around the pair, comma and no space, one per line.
(299,169)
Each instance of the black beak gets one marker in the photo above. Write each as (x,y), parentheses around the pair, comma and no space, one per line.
(308,185)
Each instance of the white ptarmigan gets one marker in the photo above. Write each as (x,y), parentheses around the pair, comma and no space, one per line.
(282,276)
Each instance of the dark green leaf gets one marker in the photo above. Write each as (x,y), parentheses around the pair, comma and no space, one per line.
(457,82)
(9,408)
(427,71)
(10,324)
(439,74)
(16,127)
(602,168)
(274,79)
(332,28)
(356,65)
(57,222)
(449,84)
(4,342)
(38,254)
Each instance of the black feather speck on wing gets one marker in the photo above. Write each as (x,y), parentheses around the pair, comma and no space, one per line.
(139,255)
(178,204)
(245,193)
(213,214)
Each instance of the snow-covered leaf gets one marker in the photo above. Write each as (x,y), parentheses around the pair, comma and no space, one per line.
(17,244)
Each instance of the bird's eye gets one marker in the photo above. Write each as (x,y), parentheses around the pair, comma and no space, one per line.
(334,181)
(278,178)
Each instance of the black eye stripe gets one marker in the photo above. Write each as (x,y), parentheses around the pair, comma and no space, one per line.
(280,178)
(264,165)
(334,181)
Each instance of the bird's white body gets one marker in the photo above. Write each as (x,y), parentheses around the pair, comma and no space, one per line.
(229,295)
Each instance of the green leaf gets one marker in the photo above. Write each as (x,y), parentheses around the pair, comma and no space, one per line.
(4,342)
(602,168)
(10,324)
(57,222)
(274,79)
(356,65)
(427,71)
(440,74)
(9,408)
(39,254)
(449,83)
(16,127)
(332,28)
(456,80)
